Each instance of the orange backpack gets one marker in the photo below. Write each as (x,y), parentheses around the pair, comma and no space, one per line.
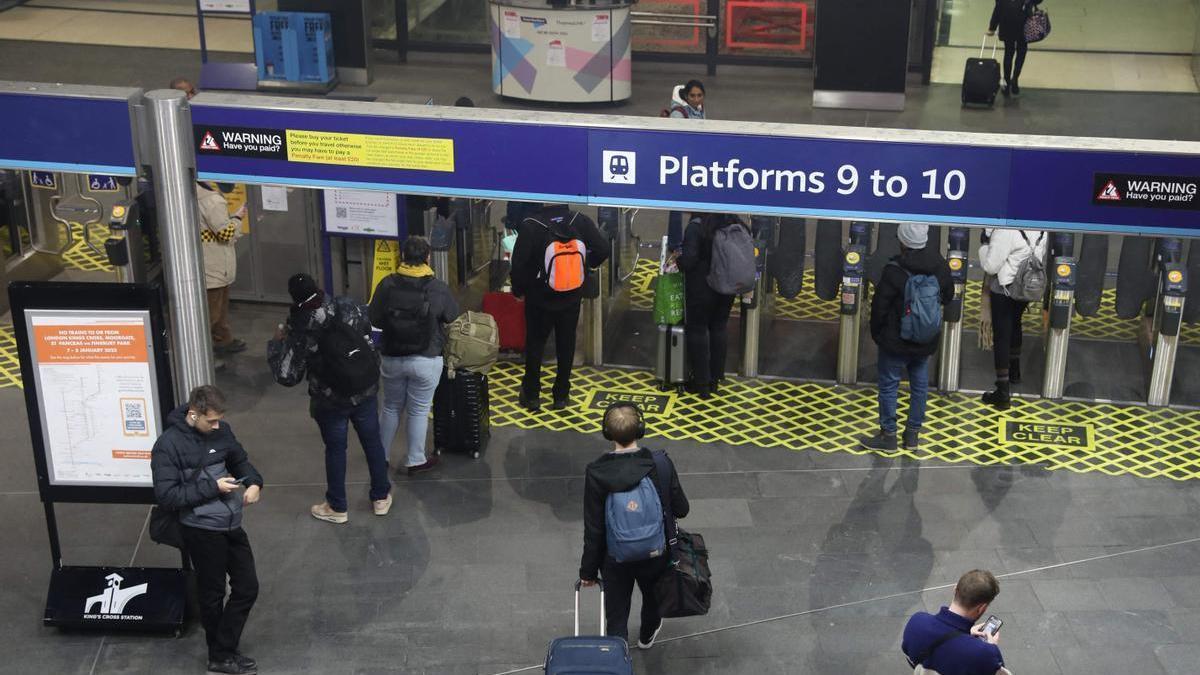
(565,264)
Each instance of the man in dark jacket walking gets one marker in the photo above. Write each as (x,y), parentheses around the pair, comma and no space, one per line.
(620,470)
(545,308)
(198,466)
(917,257)
(299,350)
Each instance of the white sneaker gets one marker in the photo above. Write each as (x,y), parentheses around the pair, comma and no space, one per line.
(325,512)
(650,643)
(382,506)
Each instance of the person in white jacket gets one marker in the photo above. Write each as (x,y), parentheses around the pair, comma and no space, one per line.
(219,232)
(1002,251)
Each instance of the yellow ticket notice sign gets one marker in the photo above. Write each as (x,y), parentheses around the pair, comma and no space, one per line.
(383,152)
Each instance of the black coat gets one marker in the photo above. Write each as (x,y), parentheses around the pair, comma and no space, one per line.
(528,259)
(695,261)
(186,464)
(887,305)
(1009,16)
(617,472)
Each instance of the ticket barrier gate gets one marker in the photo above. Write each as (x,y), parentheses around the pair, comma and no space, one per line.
(1168,315)
(753,302)
(76,209)
(1062,306)
(852,300)
(124,247)
(950,348)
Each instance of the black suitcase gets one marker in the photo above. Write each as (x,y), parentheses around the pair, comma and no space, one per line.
(981,79)
(461,420)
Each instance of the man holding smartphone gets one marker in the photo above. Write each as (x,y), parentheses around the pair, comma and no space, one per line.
(953,642)
(198,467)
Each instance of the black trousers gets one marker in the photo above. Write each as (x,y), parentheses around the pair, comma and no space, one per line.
(1018,48)
(539,322)
(1006,329)
(619,579)
(216,555)
(706,324)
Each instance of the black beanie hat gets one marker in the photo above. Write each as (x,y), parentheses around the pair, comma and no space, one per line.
(303,288)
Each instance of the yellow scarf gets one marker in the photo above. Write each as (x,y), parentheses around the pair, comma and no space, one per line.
(417,271)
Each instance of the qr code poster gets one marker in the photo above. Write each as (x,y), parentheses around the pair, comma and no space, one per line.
(133,417)
(361,212)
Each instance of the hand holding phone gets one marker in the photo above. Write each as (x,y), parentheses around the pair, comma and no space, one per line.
(242,481)
(991,629)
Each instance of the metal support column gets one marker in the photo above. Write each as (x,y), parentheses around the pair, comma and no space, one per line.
(1168,315)
(1062,304)
(174,166)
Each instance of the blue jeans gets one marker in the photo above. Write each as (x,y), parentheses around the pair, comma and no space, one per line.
(891,370)
(334,423)
(408,385)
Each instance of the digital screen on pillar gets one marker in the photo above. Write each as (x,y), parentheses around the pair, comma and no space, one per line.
(97,393)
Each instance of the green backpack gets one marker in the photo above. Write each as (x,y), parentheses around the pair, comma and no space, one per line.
(472,343)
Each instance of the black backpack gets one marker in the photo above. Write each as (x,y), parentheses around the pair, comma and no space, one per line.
(349,364)
(408,329)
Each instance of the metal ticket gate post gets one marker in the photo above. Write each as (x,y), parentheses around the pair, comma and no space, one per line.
(441,237)
(950,349)
(1168,315)
(1062,303)
(593,318)
(124,246)
(752,302)
(853,285)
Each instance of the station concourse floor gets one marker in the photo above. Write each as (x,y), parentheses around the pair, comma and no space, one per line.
(818,556)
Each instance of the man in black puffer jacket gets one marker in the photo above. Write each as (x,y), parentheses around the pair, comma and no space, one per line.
(198,466)
(896,354)
(619,470)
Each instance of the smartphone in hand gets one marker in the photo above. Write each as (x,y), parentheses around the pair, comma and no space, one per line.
(993,625)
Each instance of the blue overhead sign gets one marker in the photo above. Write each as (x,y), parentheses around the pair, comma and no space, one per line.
(66,133)
(684,169)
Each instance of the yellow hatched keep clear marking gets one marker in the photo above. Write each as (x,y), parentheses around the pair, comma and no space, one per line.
(1125,440)
(10,363)
(81,257)
(385,152)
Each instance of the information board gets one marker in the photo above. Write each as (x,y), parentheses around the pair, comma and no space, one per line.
(363,213)
(96,382)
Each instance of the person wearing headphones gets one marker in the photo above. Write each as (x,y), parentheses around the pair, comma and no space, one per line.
(626,534)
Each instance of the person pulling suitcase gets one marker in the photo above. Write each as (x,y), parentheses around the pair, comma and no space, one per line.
(625,535)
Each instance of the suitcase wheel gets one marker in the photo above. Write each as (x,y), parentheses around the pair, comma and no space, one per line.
(475,455)
(662,386)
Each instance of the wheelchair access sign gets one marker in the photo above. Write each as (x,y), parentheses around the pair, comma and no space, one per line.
(102,183)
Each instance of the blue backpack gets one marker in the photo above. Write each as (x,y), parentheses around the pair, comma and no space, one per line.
(921,321)
(634,523)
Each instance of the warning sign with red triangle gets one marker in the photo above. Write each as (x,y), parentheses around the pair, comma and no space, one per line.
(208,142)
(1109,193)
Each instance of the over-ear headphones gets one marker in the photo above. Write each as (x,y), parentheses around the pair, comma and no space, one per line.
(640,432)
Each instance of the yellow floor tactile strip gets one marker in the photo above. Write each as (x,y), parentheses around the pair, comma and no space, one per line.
(10,364)
(1079,437)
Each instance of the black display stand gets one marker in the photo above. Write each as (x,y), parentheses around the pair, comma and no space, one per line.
(860,54)
(133,598)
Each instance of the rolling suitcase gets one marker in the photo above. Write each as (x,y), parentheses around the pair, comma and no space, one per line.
(461,419)
(670,363)
(509,312)
(588,655)
(981,78)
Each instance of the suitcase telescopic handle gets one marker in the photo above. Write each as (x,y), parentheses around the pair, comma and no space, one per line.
(603,625)
(984,46)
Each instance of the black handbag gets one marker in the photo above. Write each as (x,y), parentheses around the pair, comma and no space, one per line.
(685,587)
(165,528)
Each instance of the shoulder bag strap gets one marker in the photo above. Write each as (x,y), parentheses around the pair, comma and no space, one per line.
(662,472)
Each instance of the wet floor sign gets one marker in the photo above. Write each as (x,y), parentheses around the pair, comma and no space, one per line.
(1080,437)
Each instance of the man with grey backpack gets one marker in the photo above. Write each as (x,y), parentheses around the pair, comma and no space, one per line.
(906,321)
(1015,262)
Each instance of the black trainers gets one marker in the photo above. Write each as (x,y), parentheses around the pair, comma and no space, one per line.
(431,462)
(245,661)
(561,403)
(1005,90)
(1016,88)
(881,441)
(530,405)
(231,665)
(912,439)
(648,642)
(999,398)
